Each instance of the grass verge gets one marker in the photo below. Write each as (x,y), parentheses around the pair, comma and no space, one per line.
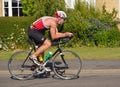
(88,53)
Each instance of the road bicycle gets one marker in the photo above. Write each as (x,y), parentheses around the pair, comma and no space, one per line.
(66,64)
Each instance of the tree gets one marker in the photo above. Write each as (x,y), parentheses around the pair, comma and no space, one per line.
(39,8)
(28,7)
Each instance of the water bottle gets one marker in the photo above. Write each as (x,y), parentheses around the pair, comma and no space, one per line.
(49,54)
(40,58)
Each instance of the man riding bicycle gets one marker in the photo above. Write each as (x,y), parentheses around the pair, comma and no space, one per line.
(37,31)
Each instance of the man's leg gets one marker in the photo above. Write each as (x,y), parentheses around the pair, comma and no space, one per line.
(42,48)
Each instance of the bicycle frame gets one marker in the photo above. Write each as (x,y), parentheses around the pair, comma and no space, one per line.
(58,50)
(33,49)
(61,54)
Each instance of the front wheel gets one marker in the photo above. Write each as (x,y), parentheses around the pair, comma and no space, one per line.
(67,65)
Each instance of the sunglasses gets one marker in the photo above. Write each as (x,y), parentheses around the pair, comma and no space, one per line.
(64,19)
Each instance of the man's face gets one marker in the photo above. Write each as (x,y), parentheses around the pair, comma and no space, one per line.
(61,21)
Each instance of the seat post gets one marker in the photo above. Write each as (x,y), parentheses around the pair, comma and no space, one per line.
(31,42)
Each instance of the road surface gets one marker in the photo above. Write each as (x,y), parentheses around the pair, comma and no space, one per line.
(101,73)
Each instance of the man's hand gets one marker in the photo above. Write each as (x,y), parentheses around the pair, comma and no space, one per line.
(69,34)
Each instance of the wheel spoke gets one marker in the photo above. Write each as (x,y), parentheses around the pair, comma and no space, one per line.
(18,67)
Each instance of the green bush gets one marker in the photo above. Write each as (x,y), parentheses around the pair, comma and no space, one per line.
(8,24)
(90,26)
(85,21)
(107,38)
(13,31)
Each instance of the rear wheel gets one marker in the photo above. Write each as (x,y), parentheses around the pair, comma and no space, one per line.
(67,65)
(20,68)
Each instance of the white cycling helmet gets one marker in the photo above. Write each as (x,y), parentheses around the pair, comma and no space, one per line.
(60,14)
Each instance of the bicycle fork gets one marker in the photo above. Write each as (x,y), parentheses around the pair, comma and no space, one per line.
(62,57)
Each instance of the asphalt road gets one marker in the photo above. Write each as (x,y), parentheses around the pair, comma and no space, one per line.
(94,74)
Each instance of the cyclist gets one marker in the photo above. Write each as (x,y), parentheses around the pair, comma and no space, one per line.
(37,31)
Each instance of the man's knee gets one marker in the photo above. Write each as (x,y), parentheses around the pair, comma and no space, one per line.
(47,42)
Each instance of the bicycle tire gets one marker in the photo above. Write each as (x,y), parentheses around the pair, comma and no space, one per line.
(16,69)
(73,68)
